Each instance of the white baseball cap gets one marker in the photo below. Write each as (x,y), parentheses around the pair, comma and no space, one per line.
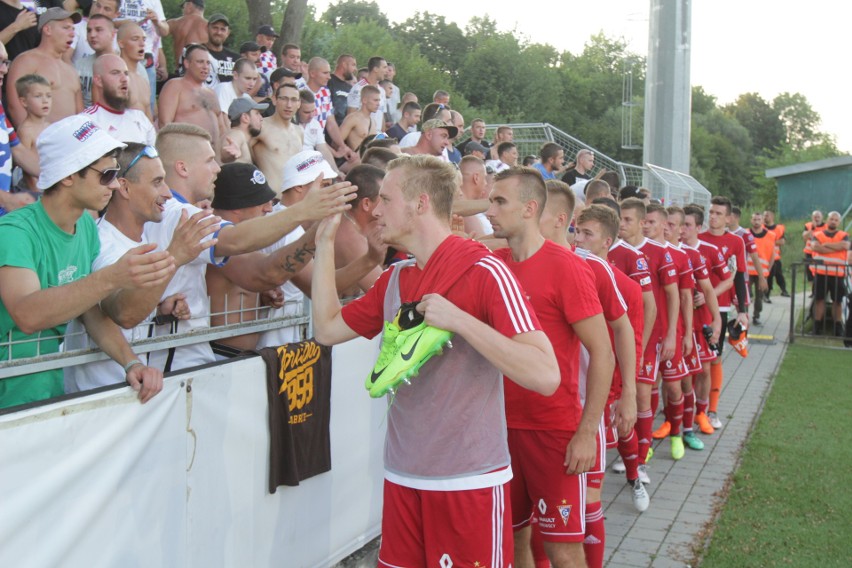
(68,146)
(304,168)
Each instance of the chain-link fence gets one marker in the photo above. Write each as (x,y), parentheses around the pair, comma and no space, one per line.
(670,187)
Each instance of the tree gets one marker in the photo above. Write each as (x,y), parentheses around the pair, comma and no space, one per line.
(760,119)
(354,11)
(294,21)
(259,14)
(444,45)
(799,119)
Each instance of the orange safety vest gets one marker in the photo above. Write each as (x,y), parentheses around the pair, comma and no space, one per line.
(765,250)
(834,262)
(809,226)
(779,231)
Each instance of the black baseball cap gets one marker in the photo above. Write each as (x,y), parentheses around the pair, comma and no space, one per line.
(281,73)
(219,18)
(199,3)
(247,46)
(267,30)
(240,185)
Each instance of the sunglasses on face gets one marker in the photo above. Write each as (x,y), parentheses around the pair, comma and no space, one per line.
(107,176)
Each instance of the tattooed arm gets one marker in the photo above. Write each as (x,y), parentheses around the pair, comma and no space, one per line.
(258,272)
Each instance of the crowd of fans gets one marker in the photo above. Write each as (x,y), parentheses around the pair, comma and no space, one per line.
(136,214)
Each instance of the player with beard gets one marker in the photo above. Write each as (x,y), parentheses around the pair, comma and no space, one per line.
(112,113)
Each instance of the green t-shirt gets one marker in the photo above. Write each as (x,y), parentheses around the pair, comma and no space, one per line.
(29,239)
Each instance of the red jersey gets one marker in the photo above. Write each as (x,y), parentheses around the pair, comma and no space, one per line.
(732,249)
(561,288)
(685,280)
(663,272)
(631,292)
(701,314)
(613,305)
(631,262)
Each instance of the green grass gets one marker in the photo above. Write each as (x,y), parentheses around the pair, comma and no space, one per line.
(790,503)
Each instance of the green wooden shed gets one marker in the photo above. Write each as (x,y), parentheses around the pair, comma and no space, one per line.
(824,184)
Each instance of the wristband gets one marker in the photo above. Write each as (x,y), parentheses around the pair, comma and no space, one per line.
(131,364)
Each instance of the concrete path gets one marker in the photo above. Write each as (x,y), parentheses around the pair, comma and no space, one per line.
(685,495)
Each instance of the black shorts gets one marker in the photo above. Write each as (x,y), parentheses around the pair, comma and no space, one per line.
(723,334)
(825,285)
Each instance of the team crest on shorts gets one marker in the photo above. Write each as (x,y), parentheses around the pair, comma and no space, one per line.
(564,512)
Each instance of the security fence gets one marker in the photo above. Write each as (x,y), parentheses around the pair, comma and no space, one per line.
(669,186)
(821,301)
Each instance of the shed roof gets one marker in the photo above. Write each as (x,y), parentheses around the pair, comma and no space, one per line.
(826,164)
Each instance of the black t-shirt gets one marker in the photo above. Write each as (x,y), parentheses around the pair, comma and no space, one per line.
(571,176)
(225,60)
(396,131)
(26,39)
(339,93)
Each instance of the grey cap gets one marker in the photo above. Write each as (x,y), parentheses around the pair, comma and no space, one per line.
(242,105)
(473,146)
(54,14)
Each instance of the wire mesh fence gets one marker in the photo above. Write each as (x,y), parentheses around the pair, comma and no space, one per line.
(821,304)
(669,186)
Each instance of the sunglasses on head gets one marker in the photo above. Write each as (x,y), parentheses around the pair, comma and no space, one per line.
(147,151)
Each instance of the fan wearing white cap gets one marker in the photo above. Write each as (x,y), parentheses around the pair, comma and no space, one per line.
(46,279)
(191,169)
(57,36)
(304,173)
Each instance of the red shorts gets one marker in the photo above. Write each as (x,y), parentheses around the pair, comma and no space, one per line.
(705,355)
(674,369)
(693,361)
(454,528)
(594,477)
(541,489)
(650,362)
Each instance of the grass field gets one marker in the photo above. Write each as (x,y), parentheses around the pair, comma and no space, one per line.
(790,503)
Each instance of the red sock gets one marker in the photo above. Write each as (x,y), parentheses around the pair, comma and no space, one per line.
(688,410)
(674,414)
(537,546)
(595,540)
(655,400)
(628,449)
(716,376)
(700,406)
(644,427)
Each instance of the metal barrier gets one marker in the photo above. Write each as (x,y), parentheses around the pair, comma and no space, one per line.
(821,305)
(143,341)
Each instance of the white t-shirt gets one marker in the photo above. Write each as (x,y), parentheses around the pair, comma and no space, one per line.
(136,10)
(130,125)
(226,94)
(189,280)
(294,298)
(114,244)
(314,135)
(354,101)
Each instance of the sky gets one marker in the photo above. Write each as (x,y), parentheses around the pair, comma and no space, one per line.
(737,46)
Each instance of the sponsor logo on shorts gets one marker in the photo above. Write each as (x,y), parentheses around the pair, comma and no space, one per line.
(542,506)
(446,561)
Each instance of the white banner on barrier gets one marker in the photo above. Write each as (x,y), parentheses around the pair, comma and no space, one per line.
(182,481)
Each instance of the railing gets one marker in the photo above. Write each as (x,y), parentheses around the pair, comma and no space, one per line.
(259,321)
(812,293)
